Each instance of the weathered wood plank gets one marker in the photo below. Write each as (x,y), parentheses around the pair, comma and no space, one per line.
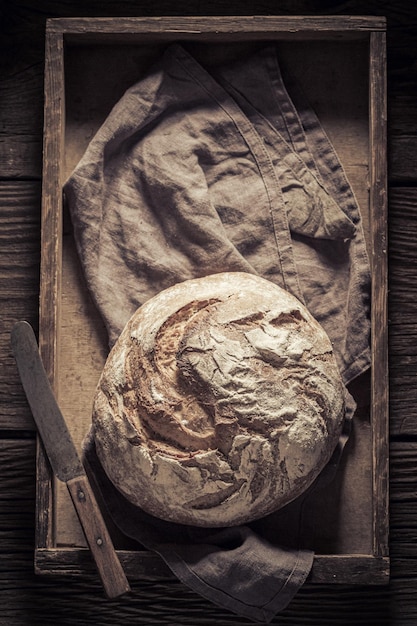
(17,495)
(37,600)
(403,310)
(19,288)
(21,115)
(403,606)
(352,570)
(51,227)
(402,89)
(378,198)
(403,508)
(402,237)
(242,24)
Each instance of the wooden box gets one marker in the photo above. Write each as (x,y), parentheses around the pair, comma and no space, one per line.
(340,63)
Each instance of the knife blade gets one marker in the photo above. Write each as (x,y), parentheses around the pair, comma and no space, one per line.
(64,458)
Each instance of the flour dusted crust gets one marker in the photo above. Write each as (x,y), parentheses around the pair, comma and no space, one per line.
(220,402)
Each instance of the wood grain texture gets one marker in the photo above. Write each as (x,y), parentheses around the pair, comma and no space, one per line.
(51,227)
(21,115)
(403,506)
(30,599)
(379,265)
(19,288)
(235,27)
(403,311)
(348,570)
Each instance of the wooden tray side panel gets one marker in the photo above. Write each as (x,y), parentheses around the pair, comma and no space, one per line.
(51,261)
(337,569)
(253,26)
(51,227)
(378,199)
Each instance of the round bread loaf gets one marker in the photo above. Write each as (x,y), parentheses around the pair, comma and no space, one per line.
(220,402)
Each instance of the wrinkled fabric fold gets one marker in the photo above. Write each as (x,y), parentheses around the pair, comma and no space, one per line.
(192,174)
(332,218)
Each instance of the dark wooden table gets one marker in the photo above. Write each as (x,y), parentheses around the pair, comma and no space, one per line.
(29,599)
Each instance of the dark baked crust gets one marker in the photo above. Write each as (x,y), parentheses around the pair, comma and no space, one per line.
(220,403)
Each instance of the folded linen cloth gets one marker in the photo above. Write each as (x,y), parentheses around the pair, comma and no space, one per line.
(188,177)
(195,173)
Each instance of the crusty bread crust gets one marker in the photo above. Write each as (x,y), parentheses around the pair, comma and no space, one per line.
(220,402)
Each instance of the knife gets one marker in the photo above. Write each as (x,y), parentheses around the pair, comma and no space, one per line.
(64,458)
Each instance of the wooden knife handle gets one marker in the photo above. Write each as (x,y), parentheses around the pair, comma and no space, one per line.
(109,567)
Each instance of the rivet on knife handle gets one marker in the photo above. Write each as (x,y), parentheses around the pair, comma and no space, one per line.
(97,536)
(64,458)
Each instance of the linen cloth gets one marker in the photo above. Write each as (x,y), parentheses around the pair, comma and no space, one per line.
(197,172)
(181,182)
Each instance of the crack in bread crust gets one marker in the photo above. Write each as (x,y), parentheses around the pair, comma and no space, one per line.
(220,403)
